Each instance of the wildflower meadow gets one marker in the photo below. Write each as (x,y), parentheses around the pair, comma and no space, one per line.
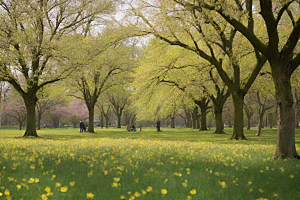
(175,164)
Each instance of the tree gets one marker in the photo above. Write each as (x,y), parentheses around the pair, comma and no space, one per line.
(48,99)
(264,105)
(194,33)
(279,48)
(15,108)
(77,111)
(119,99)
(33,49)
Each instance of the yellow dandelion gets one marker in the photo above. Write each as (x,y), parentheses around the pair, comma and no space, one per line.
(18,187)
(72,183)
(144,192)
(90,195)
(105,172)
(1,194)
(136,180)
(122,197)
(164,191)
(64,189)
(275,195)
(6,192)
(36,180)
(149,189)
(249,182)
(184,184)
(137,194)
(57,184)
(251,190)
(131,198)
(44,197)
(193,191)
(114,184)
(49,194)
(32,167)
(116,179)
(47,189)
(189,198)
(260,190)
(292,176)
(223,184)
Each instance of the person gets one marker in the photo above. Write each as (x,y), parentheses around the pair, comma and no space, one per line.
(82,126)
(158,125)
(133,128)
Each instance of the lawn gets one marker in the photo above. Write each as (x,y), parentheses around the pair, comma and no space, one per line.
(177,163)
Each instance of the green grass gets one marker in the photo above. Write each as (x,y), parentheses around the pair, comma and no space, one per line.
(115,164)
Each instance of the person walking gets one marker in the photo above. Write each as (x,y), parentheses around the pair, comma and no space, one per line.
(82,126)
(158,125)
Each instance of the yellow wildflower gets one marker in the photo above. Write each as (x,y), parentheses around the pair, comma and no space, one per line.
(44,197)
(47,189)
(164,191)
(90,195)
(193,191)
(72,183)
(149,189)
(64,189)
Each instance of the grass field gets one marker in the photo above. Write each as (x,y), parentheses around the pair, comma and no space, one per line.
(174,164)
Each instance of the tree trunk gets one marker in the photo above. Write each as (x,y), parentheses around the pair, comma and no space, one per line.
(188,121)
(119,115)
(172,122)
(238,117)
(30,119)
(285,147)
(219,122)
(55,121)
(260,123)
(248,120)
(101,119)
(203,119)
(91,121)
(106,121)
(195,116)
(20,125)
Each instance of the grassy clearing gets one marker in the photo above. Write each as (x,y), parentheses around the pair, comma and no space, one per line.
(115,164)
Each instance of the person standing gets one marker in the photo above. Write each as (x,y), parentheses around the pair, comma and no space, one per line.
(82,126)
(158,125)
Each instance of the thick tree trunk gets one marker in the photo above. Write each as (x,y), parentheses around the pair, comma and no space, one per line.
(248,120)
(55,122)
(219,122)
(91,120)
(285,147)
(203,119)
(172,122)
(30,118)
(119,115)
(238,117)
(188,121)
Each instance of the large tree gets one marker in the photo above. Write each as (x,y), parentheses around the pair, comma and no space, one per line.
(32,35)
(281,21)
(180,23)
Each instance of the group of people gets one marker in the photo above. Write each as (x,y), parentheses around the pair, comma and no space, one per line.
(82,127)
